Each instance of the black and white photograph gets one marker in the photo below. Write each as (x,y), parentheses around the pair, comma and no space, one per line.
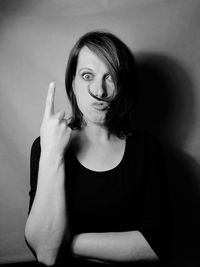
(99,133)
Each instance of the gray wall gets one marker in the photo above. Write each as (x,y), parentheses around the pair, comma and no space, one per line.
(35,39)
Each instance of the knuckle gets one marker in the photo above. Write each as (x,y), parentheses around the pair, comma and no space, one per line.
(49,102)
(63,125)
(69,130)
(58,114)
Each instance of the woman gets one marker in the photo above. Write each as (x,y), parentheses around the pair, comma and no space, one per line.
(97,186)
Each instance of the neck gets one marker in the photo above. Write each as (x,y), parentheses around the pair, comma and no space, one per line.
(96,133)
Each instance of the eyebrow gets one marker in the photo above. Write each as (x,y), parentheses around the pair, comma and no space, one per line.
(85,68)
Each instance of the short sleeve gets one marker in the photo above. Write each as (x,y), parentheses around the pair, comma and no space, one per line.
(34,166)
(155,216)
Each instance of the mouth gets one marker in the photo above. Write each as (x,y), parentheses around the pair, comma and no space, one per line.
(100,106)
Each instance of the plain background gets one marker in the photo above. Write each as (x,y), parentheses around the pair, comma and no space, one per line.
(35,40)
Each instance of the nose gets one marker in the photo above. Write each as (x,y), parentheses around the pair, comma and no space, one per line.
(98,89)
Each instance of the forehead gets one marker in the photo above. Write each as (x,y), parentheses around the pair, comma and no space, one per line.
(88,59)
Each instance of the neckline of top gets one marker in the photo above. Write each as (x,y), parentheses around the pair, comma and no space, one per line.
(115,168)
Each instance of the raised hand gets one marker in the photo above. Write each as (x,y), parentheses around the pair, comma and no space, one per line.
(55,135)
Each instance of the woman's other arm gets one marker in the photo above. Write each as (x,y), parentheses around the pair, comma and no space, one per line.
(47,223)
(127,246)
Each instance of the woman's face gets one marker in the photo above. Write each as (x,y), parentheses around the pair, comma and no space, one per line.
(92,76)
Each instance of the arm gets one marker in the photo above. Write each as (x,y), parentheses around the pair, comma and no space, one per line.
(151,239)
(47,223)
(113,247)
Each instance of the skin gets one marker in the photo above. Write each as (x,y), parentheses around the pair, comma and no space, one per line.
(47,223)
(92,74)
(55,136)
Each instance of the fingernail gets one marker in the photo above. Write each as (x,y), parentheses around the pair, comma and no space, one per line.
(52,84)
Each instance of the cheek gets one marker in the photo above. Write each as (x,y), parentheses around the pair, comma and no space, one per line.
(111,90)
(81,102)
(81,95)
(79,88)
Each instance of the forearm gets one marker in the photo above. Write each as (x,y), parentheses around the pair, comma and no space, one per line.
(47,221)
(113,247)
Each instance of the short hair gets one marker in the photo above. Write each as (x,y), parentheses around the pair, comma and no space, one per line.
(122,67)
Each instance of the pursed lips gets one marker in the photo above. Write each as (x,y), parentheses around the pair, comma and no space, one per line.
(100,105)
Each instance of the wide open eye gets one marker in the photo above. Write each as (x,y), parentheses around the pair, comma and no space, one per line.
(109,78)
(87,76)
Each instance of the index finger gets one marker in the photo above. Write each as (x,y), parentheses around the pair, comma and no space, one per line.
(49,108)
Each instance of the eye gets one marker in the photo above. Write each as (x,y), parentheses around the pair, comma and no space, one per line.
(109,78)
(87,76)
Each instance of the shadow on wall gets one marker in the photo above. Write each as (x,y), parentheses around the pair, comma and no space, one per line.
(166,110)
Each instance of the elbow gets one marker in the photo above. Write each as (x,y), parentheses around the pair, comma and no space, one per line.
(46,259)
(29,237)
(42,255)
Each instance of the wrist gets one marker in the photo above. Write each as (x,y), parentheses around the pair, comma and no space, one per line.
(49,157)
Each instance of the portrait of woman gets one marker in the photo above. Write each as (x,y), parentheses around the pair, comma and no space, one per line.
(99,133)
(98,191)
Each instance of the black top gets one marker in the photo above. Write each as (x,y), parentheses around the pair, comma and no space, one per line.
(131,196)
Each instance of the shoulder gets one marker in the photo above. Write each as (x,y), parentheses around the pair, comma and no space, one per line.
(36,142)
(143,137)
(35,147)
(145,144)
